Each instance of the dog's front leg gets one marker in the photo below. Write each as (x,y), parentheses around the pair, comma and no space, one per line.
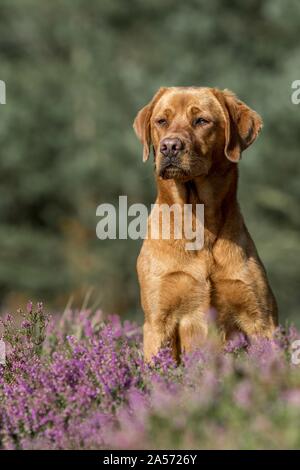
(158,335)
(181,317)
(193,330)
(242,308)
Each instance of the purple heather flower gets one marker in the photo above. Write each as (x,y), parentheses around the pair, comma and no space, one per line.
(242,394)
(89,387)
(292,397)
(236,343)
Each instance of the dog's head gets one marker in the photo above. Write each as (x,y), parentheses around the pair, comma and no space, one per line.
(191,129)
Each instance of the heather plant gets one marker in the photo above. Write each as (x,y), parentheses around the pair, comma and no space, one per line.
(79,381)
(32,330)
(67,143)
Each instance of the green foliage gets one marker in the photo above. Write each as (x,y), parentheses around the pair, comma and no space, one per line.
(76,73)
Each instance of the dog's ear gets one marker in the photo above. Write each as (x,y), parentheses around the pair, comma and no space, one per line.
(141,123)
(242,125)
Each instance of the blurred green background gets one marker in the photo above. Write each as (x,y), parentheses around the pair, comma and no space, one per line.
(77,72)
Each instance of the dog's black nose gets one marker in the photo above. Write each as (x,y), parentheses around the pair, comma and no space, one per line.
(171,147)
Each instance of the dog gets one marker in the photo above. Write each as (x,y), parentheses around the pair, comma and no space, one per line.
(198,135)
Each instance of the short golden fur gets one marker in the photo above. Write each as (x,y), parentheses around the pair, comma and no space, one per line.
(179,287)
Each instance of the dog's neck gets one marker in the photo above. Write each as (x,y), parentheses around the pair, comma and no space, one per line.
(216,191)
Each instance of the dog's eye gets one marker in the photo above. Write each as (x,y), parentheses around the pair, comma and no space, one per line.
(200,121)
(162,122)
